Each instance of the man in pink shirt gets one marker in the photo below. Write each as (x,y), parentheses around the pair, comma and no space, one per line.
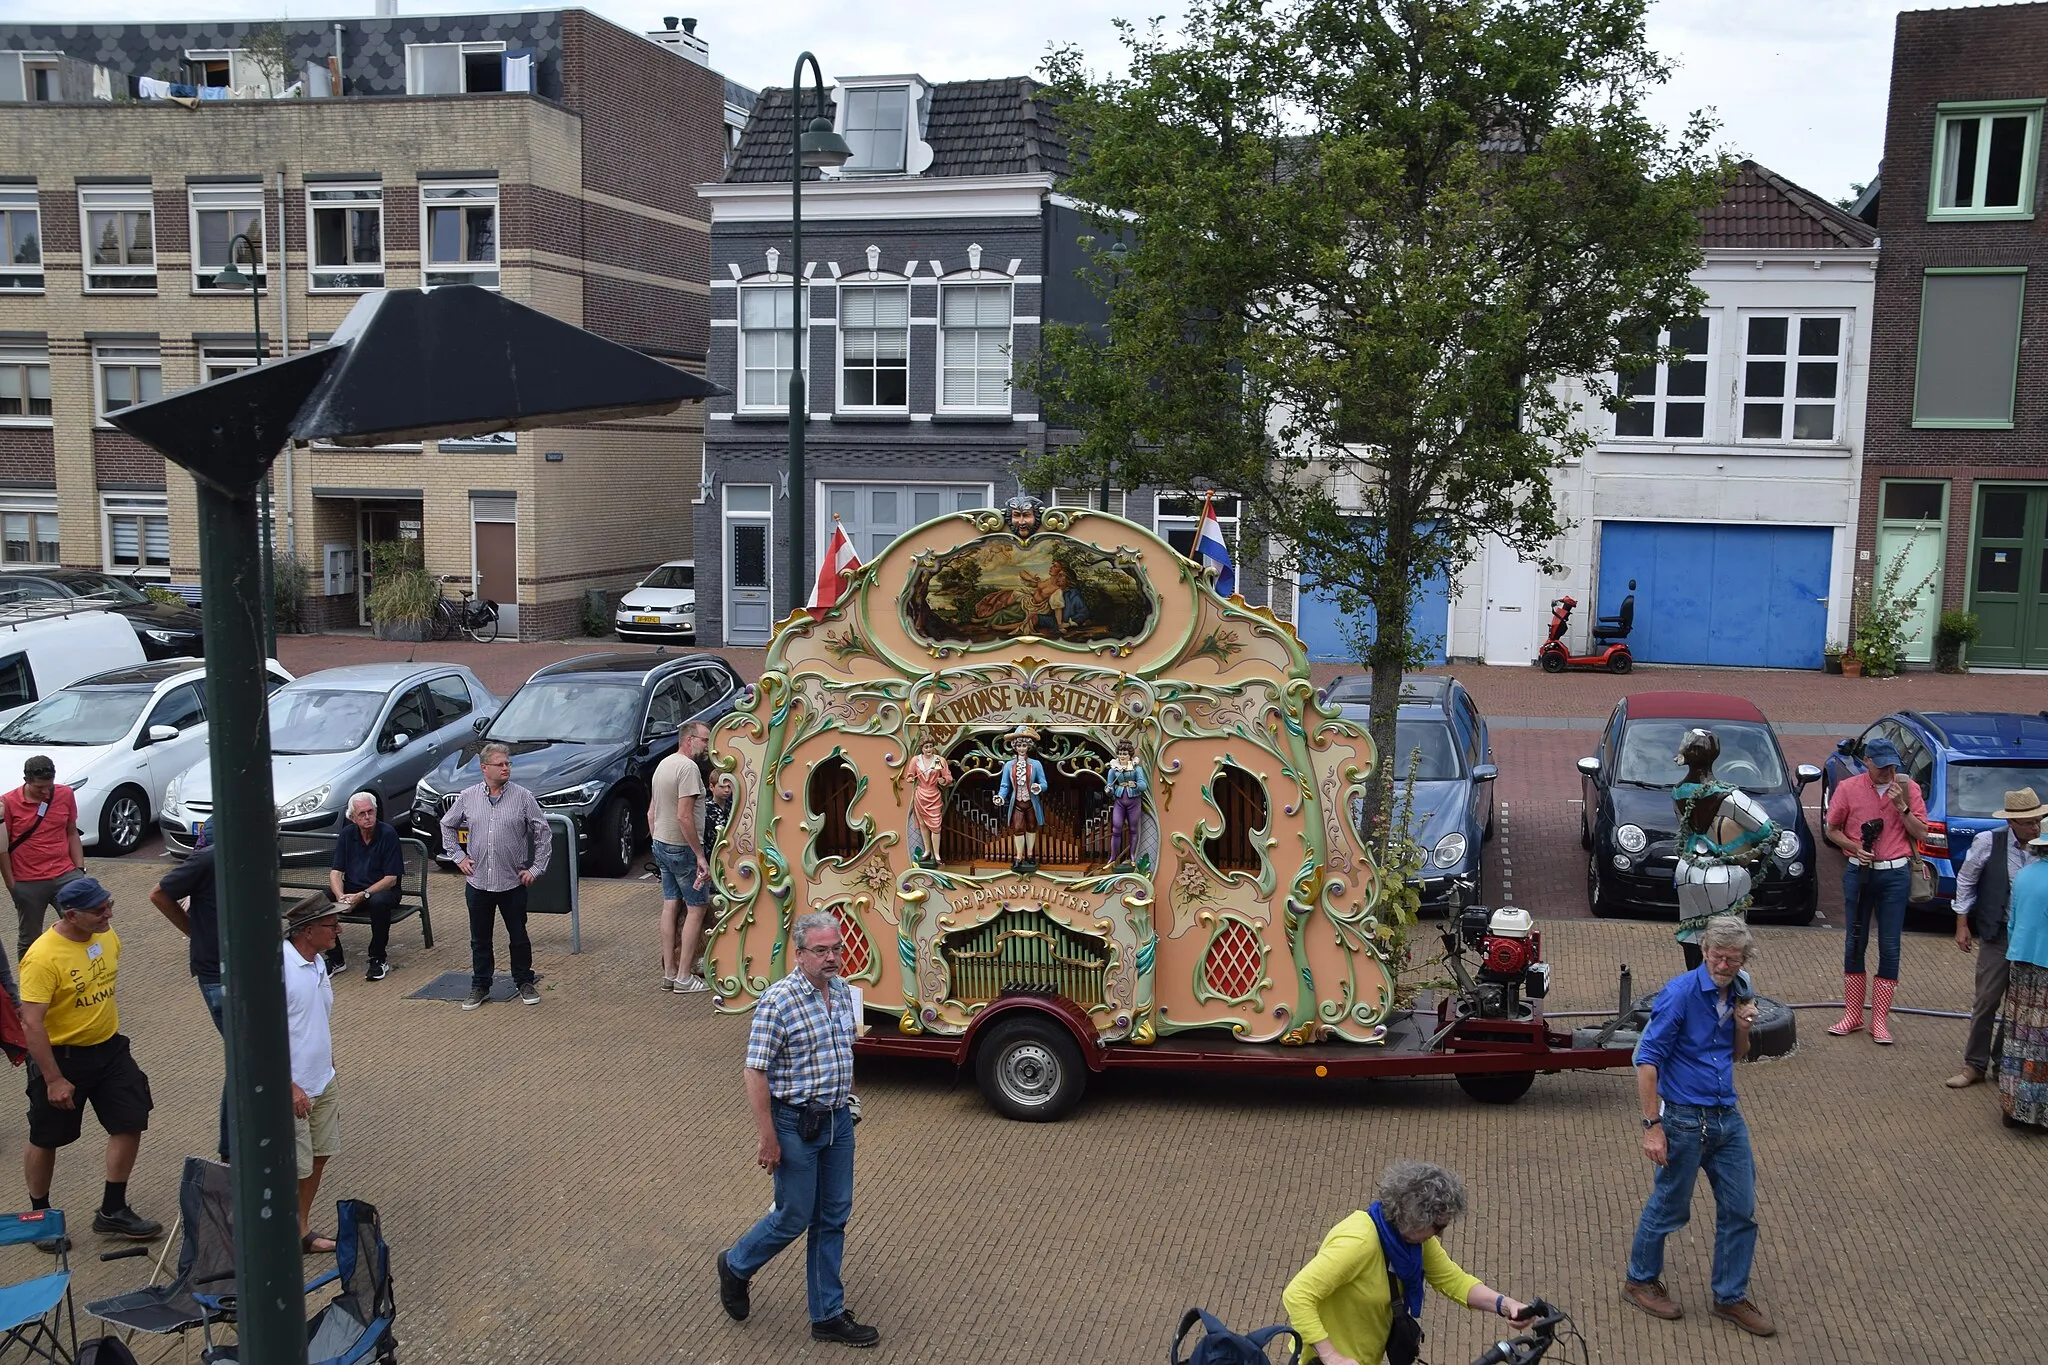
(44,849)
(1877,818)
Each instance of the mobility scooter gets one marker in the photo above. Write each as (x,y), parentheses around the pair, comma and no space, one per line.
(1610,636)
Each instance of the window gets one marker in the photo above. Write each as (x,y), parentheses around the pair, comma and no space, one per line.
(1969,347)
(451,698)
(1090,497)
(876,122)
(29,76)
(1668,400)
(974,345)
(220,213)
(28,527)
(1984,160)
(17,683)
(765,345)
(120,237)
(874,514)
(874,346)
(181,706)
(409,717)
(461,234)
(454,68)
(127,375)
(1792,378)
(348,236)
(218,362)
(137,534)
(227,68)
(25,386)
(1179,518)
(21,238)
(1908,501)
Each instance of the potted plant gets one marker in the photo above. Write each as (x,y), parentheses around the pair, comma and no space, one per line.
(1884,626)
(1956,632)
(403,595)
(1831,657)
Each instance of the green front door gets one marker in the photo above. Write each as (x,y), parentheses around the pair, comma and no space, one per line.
(2009,576)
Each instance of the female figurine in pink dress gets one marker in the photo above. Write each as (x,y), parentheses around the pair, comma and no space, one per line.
(931,773)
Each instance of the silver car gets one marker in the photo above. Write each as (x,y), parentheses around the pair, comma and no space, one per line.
(366,727)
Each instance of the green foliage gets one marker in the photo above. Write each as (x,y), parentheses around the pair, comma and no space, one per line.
(1371,249)
(270,48)
(597,616)
(1884,616)
(1956,631)
(291,583)
(163,597)
(404,595)
(394,556)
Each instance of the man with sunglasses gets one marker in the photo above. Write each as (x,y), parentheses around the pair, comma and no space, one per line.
(799,1075)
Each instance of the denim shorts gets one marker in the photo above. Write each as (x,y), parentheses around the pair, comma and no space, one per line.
(678,864)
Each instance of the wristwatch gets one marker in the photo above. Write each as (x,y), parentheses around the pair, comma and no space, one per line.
(1648,1124)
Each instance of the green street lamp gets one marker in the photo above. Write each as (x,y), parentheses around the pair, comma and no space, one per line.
(812,146)
(231,278)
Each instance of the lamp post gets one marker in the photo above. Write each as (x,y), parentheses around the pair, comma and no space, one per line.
(812,146)
(232,278)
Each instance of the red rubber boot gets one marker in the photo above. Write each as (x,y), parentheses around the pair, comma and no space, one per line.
(1852,999)
(1881,1010)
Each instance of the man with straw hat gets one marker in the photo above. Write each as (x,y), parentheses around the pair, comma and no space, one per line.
(1983,890)
(311,928)
(1017,797)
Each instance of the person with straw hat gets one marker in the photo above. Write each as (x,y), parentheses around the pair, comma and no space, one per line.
(311,927)
(1983,893)
(1023,781)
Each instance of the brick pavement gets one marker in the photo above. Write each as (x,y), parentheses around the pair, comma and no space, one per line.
(556,1180)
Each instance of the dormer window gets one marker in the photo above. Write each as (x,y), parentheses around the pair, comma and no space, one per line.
(877,119)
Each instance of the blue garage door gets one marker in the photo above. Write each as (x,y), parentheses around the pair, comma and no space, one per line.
(1734,595)
(1322,624)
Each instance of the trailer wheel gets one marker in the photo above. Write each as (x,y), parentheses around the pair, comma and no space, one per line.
(1496,1087)
(1029,1069)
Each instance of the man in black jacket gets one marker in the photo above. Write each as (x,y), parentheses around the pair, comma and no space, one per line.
(185,897)
(1983,885)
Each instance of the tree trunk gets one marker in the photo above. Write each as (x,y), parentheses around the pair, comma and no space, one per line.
(1387,657)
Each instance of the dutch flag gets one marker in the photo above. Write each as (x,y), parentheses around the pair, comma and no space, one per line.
(1213,552)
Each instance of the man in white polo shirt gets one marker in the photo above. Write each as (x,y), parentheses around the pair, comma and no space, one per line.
(311,928)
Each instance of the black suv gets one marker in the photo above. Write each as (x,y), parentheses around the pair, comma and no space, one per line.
(164,631)
(585,736)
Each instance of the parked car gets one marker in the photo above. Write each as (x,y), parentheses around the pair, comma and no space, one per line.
(363,727)
(45,646)
(585,736)
(663,607)
(118,739)
(1440,739)
(164,631)
(1965,763)
(1630,825)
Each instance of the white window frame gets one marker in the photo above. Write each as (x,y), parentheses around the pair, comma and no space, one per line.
(876,283)
(466,195)
(25,65)
(1950,116)
(244,71)
(134,357)
(123,277)
(415,51)
(234,200)
(1164,521)
(24,361)
(346,198)
(760,284)
(845,99)
(34,504)
(1091,497)
(221,359)
(1789,402)
(993,283)
(143,509)
(1660,399)
(17,201)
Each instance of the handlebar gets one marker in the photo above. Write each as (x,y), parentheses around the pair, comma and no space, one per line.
(1539,1335)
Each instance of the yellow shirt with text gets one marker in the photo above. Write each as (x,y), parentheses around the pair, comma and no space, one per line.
(76,980)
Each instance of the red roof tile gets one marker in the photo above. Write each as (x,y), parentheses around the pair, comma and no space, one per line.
(1762,209)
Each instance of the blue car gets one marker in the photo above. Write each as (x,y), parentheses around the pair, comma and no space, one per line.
(1440,739)
(1965,763)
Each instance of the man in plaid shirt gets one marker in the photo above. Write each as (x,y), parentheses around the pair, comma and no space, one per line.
(799,1061)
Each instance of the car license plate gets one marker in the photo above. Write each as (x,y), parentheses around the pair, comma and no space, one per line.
(647,620)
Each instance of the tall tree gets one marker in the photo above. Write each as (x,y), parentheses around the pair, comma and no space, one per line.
(1357,256)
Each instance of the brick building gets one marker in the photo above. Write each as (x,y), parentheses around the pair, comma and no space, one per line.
(548,154)
(1956,455)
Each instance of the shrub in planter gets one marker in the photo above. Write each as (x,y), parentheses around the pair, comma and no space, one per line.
(1956,632)
(290,584)
(1884,618)
(403,603)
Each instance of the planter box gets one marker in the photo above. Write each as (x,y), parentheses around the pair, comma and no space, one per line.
(401,630)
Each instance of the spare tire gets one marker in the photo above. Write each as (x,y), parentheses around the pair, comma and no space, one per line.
(1774,1034)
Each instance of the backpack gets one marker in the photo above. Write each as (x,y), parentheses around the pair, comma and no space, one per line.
(104,1351)
(1218,1345)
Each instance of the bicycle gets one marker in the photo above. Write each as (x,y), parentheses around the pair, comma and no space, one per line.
(1538,1336)
(475,617)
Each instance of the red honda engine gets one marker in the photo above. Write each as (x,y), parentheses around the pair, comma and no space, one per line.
(1511,965)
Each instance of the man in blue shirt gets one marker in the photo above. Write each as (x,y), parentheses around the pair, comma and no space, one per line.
(367,869)
(1685,1079)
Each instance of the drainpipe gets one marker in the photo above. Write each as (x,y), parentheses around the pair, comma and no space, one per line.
(340,65)
(284,350)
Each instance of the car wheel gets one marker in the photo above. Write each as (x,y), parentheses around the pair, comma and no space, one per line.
(123,820)
(611,841)
(1029,1069)
(1496,1087)
(1601,907)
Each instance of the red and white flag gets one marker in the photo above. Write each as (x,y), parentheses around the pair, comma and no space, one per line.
(838,565)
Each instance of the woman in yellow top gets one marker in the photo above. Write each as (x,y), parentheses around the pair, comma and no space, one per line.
(1341,1302)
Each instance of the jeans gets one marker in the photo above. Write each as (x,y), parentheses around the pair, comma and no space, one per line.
(1879,896)
(1714,1140)
(484,909)
(678,864)
(215,995)
(814,1192)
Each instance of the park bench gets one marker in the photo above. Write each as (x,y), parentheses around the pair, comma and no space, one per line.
(302,873)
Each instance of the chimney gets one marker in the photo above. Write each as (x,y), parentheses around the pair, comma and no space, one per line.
(680,36)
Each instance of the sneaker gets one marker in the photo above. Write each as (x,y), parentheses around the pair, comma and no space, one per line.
(844,1330)
(1747,1316)
(1649,1296)
(126,1222)
(476,999)
(337,963)
(732,1292)
(1965,1078)
(690,985)
(378,971)
(668,983)
(529,994)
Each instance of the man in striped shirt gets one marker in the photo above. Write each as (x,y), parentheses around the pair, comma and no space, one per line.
(506,851)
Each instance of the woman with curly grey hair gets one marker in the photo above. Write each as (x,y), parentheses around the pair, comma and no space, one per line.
(1342,1302)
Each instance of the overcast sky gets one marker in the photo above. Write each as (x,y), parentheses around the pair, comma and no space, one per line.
(1797,84)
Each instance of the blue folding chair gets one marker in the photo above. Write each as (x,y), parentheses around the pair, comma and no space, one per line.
(356,1323)
(37,1315)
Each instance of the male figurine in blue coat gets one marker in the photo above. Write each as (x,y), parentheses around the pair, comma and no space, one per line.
(1023,780)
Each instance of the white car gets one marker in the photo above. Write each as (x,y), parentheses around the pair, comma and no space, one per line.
(118,739)
(663,607)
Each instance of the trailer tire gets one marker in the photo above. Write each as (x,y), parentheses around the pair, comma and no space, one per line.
(1496,1087)
(1029,1069)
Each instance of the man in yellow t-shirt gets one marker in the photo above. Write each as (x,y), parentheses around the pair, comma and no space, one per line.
(77,1054)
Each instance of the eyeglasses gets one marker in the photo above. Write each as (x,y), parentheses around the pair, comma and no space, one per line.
(824,949)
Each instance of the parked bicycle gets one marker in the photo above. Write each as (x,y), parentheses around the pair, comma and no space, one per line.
(473,616)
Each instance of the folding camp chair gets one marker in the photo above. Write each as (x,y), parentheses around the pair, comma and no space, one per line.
(356,1324)
(206,1261)
(37,1315)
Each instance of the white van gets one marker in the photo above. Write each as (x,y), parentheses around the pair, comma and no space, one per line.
(48,645)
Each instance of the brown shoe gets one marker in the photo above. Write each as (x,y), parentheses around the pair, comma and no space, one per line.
(1965,1078)
(1649,1296)
(1747,1316)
